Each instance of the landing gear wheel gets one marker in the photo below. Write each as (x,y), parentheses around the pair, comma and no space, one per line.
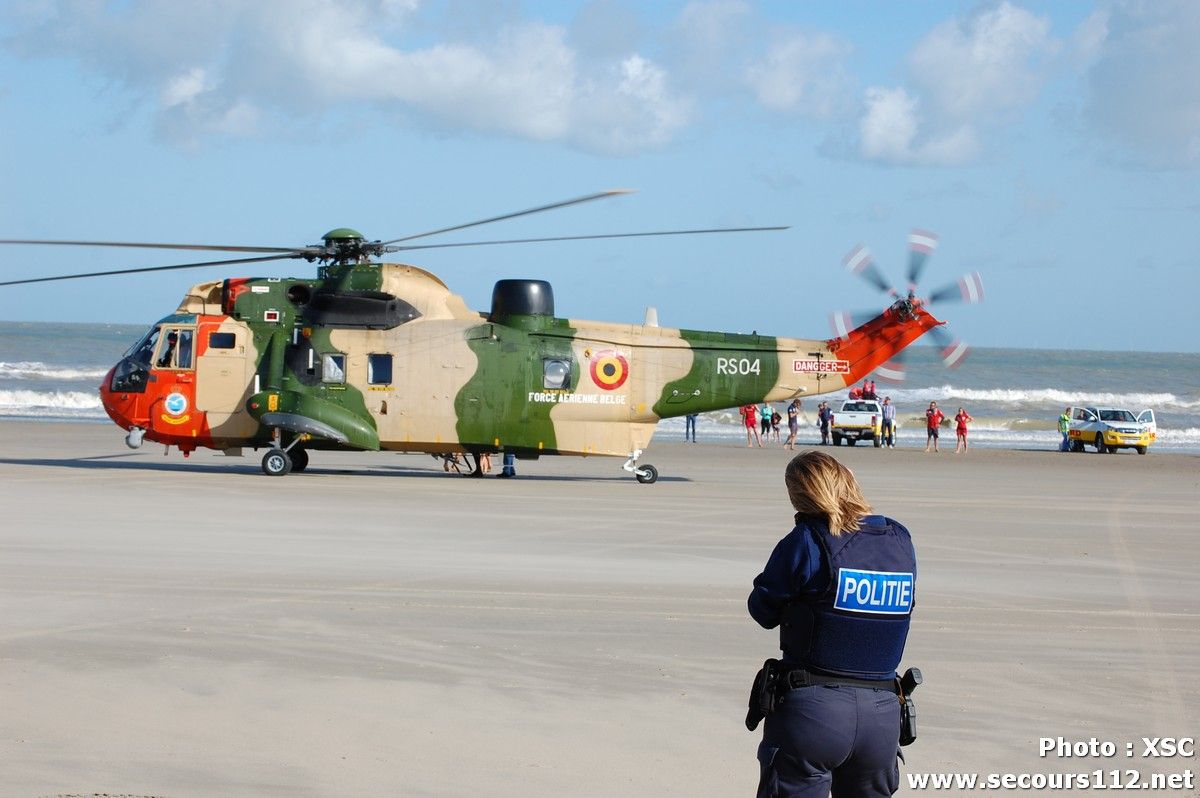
(276,463)
(1099,443)
(299,459)
(646,474)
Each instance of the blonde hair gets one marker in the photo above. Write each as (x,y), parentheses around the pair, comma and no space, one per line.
(819,485)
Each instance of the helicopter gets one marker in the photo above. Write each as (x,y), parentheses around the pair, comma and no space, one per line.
(372,356)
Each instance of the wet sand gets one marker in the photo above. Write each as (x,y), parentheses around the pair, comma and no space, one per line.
(176,627)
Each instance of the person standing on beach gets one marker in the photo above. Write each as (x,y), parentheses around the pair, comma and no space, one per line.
(888,429)
(689,426)
(793,414)
(933,420)
(1064,429)
(764,420)
(960,430)
(833,718)
(824,419)
(750,419)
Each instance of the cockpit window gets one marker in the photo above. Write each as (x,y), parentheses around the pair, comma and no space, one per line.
(176,349)
(143,350)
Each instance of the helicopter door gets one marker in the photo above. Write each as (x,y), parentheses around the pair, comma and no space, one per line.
(224,380)
(173,374)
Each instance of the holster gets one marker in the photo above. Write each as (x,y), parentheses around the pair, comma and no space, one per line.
(905,685)
(763,693)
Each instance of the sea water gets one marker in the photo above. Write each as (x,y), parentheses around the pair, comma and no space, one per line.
(51,371)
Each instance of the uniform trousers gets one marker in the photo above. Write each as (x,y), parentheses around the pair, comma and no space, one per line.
(831,740)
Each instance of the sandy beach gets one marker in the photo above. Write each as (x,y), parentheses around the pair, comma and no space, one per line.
(175,627)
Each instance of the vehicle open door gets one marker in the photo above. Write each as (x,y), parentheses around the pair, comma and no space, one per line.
(1147,417)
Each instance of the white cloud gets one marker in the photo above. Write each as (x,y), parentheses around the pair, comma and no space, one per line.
(985,65)
(888,132)
(804,74)
(967,75)
(227,68)
(706,42)
(1143,95)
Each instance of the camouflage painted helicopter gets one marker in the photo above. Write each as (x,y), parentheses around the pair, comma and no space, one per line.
(372,356)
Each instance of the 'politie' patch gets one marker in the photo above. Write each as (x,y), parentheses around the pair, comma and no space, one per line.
(881,592)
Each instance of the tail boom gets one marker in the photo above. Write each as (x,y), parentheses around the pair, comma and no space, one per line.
(871,345)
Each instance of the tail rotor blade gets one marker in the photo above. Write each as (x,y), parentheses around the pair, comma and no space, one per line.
(842,322)
(953,351)
(921,244)
(860,261)
(893,371)
(969,289)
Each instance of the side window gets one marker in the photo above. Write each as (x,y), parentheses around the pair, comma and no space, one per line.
(176,349)
(222,340)
(333,368)
(379,369)
(556,374)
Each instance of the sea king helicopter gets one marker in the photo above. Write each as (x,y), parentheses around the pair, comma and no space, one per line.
(372,356)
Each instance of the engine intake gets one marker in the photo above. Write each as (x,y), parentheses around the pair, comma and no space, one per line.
(521,298)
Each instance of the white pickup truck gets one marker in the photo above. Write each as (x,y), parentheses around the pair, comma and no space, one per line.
(1111,428)
(858,420)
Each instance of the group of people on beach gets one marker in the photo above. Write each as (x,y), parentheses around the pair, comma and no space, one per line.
(933,422)
(763,421)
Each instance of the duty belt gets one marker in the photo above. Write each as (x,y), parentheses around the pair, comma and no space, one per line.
(798,677)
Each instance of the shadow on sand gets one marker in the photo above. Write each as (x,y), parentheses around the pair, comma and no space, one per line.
(120,462)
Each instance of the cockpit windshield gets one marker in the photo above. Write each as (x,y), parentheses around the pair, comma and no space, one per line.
(1116,415)
(143,350)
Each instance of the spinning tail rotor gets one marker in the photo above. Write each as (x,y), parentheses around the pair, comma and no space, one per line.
(921,245)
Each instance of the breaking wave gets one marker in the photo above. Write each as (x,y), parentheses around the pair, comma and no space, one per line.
(35,370)
(51,404)
(1056,396)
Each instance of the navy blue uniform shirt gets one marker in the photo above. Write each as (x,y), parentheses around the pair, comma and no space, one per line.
(796,569)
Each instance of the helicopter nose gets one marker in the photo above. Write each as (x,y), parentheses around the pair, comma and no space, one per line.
(114,404)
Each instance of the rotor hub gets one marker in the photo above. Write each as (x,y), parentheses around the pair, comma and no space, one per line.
(345,245)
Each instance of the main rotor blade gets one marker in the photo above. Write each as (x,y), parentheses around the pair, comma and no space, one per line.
(148,269)
(586,237)
(921,244)
(860,261)
(969,289)
(145,245)
(539,209)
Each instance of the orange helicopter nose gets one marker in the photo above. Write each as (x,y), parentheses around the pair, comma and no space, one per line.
(119,407)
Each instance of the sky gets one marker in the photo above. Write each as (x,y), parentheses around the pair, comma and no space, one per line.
(1052,147)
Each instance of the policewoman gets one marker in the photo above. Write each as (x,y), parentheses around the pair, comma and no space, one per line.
(840,588)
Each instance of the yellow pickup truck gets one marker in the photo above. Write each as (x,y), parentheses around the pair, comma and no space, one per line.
(1110,429)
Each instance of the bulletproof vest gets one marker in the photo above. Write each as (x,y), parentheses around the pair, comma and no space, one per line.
(857,628)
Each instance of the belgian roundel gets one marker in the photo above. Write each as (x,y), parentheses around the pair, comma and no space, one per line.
(609,370)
